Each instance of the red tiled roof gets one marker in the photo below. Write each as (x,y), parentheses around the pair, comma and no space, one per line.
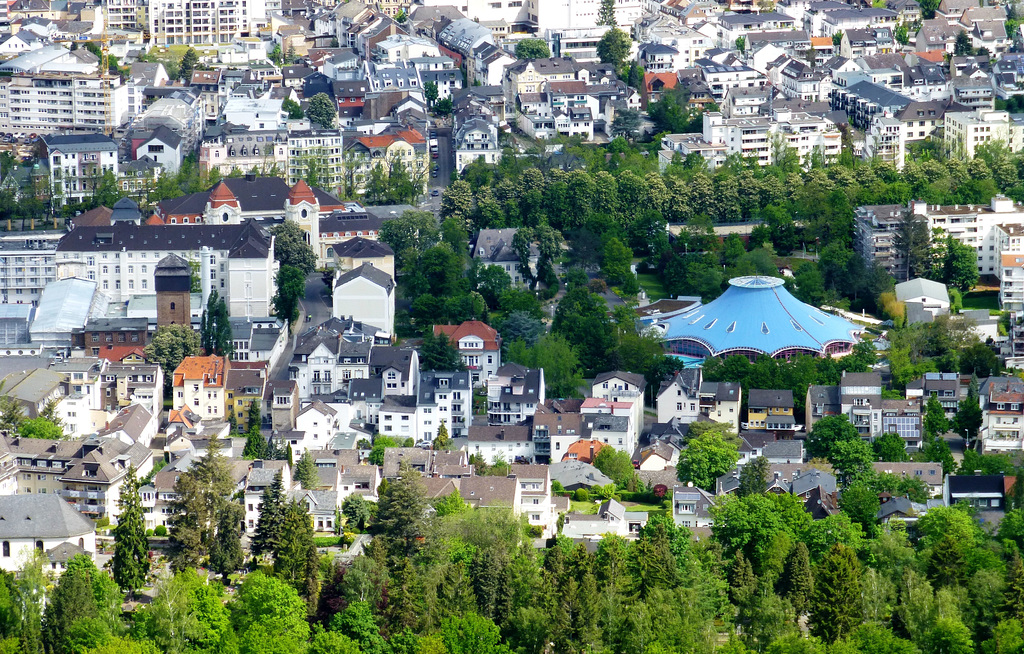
(301,193)
(455,333)
(585,451)
(934,56)
(209,369)
(668,79)
(154,220)
(221,195)
(118,353)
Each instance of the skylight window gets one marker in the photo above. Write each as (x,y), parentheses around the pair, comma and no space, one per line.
(764,328)
(711,324)
(731,328)
(796,325)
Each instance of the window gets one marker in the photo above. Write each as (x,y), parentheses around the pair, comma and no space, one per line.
(7,549)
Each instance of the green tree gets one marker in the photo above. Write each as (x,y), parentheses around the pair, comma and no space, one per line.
(430,93)
(616,261)
(949,635)
(797,583)
(890,447)
(291,287)
(291,556)
(443,107)
(306,473)
(321,111)
(615,463)
(442,442)
(215,327)
(291,247)
(741,44)
(226,549)
(457,203)
(562,375)
(614,47)
(705,459)
(130,563)
(935,421)
(202,493)
(268,610)
(450,504)
(962,46)
(438,354)
(188,65)
(605,15)
(12,414)
(1013,596)
(861,503)
(532,49)
(400,511)
(582,318)
(255,444)
(357,512)
(269,523)
(40,428)
(754,477)
(293,109)
(83,609)
(836,601)
(969,416)
(169,347)
(960,266)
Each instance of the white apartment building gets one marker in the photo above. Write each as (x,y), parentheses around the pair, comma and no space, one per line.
(203,22)
(886,140)
(27,265)
(1002,405)
(763,138)
(979,226)
(78,163)
(239,262)
(514,393)
(535,496)
(965,131)
(199,386)
(545,14)
(318,423)
(54,101)
(444,398)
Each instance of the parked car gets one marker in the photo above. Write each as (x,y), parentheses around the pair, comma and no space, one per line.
(435,193)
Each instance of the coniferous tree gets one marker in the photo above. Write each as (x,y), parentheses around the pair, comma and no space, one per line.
(255,444)
(400,511)
(443,440)
(606,14)
(292,550)
(742,582)
(305,471)
(797,583)
(935,421)
(836,602)
(268,525)
(968,415)
(754,477)
(947,565)
(226,551)
(202,493)
(215,327)
(1014,593)
(130,564)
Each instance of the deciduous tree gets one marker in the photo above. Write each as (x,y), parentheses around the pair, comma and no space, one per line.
(705,459)
(291,247)
(321,111)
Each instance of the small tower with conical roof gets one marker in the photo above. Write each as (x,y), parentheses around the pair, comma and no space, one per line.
(173,282)
(223,207)
(303,209)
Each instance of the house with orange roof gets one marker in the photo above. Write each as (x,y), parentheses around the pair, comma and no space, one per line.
(584,451)
(200,386)
(479,344)
(405,146)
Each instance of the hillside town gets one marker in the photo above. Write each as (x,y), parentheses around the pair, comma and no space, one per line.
(543,327)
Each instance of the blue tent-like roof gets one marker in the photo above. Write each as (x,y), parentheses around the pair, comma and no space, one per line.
(758,314)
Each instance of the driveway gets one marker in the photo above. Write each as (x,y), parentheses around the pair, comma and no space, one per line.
(315,304)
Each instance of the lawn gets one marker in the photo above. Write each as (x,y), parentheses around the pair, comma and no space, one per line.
(583,507)
(982,300)
(653,286)
(644,506)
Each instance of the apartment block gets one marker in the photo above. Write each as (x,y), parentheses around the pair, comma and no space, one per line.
(50,102)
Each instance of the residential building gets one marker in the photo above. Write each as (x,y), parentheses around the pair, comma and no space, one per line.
(875,234)
(200,386)
(444,398)
(48,102)
(1002,405)
(944,386)
(354,252)
(229,148)
(982,492)
(27,265)
(925,299)
(720,401)
(327,356)
(259,477)
(478,344)
(903,418)
(246,383)
(78,163)
(162,146)
(863,100)
(770,410)
(860,397)
(366,294)
(493,247)
(679,398)
(691,507)
(964,131)
(930,473)
(477,140)
(513,394)
(364,153)
(202,23)
(535,496)
(611,518)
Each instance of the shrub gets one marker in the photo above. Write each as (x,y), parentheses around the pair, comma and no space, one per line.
(160,531)
(149,532)
(326,541)
(597,286)
(556,487)
(581,495)
(535,531)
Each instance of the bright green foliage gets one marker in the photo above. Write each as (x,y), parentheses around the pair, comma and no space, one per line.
(797,582)
(291,247)
(968,415)
(948,636)
(615,262)
(130,563)
(835,604)
(861,503)
(292,554)
(889,447)
(442,442)
(705,459)
(321,111)
(935,422)
(751,523)
(40,428)
(450,504)
(614,46)
(563,377)
(306,472)
(291,287)
(532,49)
(169,347)
(83,608)
(357,512)
(1014,594)
(615,463)
(269,616)
(438,354)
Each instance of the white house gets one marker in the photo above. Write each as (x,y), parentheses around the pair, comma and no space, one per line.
(680,397)
(40,522)
(535,499)
(162,146)
(479,344)
(925,299)
(494,442)
(261,475)
(444,398)
(318,423)
(691,507)
(476,140)
(366,294)
(78,163)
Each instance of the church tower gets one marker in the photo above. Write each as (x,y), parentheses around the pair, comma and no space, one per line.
(173,282)
(303,209)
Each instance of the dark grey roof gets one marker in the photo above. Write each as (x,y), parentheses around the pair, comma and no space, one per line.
(399,403)
(244,241)
(790,449)
(165,135)
(341,222)
(631,377)
(432,383)
(80,142)
(370,272)
(498,433)
(826,395)
(40,516)
(367,390)
(577,473)
(813,478)
(722,391)
(688,379)
(972,484)
(383,357)
(363,248)
(268,194)
(770,398)
(878,94)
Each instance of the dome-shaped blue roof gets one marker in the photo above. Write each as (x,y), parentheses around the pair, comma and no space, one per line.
(758,315)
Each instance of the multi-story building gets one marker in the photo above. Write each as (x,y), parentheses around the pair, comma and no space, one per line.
(200,385)
(770,410)
(903,418)
(978,226)
(875,234)
(236,148)
(944,386)
(246,383)
(27,265)
(479,344)
(679,398)
(405,147)
(444,398)
(203,22)
(477,140)
(78,163)
(1002,405)
(319,149)
(236,260)
(720,401)
(886,140)
(514,393)
(54,101)
(860,397)
(964,131)
(535,496)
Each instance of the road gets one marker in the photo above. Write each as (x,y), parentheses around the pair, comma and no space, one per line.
(315,304)
(445,165)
